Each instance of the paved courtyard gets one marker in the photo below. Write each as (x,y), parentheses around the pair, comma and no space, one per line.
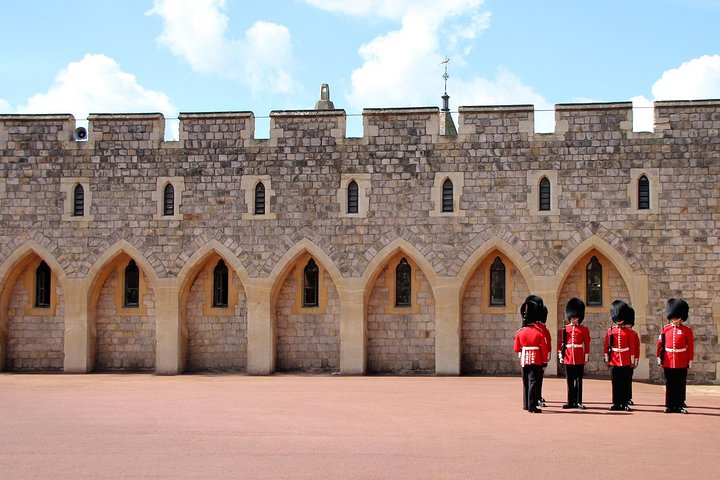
(105,426)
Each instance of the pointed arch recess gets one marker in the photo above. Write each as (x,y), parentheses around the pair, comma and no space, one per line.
(376,265)
(491,245)
(10,271)
(98,272)
(286,263)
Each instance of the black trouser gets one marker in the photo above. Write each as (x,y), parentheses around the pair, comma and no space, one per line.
(574,376)
(532,376)
(621,384)
(675,387)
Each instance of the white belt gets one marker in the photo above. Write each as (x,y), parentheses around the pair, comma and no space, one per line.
(530,348)
(675,350)
(575,345)
(620,349)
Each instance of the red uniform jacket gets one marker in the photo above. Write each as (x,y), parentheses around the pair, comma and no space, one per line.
(679,346)
(636,353)
(577,345)
(624,349)
(548,338)
(532,346)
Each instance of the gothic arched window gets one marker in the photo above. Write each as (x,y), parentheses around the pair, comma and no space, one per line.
(311,284)
(544,194)
(497,282)
(260,199)
(42,285)
(78,201)
(403,284)
(132,285)
(643,193)
(352,200)
(593,285)
(447,196)
(220,285)
(169,200)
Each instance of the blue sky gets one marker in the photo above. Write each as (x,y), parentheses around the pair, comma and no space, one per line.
(171,56)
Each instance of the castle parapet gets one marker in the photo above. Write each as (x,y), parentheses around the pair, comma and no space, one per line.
(594,121)
(36,128)
(307,128)
(216,129)
(137,127)
(421,123)
(679,118)
(497,123)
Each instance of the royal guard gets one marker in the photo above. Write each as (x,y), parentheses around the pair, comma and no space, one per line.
(541,323)
(533,350)
(636,354)
(574,351)
(619,351)
(675,351)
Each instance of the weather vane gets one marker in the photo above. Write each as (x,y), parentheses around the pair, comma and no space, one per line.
(445,75)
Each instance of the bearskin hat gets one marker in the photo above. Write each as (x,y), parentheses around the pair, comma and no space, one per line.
(542,317)
(531,309)
(676,308)
(622,312)
(575,308)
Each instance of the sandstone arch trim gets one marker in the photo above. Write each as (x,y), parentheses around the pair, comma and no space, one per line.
(495,243)
(98,271)
(288,260)
(196,262)
(376,265)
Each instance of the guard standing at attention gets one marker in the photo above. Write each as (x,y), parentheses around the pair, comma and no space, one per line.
(675,351)
(619,353)
(574,351)
(542,319)
(533,350)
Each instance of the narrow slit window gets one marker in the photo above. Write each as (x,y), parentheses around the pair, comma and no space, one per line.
(78,201)
(42,285)
(497,282)
(132,285)
(220,285)
(260,199)
(544,195)
(447,196)
(311,284)
(403,283)
(643,193)
(169,200)
(594,286)
(352,204)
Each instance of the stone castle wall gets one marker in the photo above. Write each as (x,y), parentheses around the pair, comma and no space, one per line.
(593,161)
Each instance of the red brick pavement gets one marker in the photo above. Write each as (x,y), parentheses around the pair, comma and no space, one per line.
(216,427)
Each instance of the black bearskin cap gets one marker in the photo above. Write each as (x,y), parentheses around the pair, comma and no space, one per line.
(622,312)
(531,310)
(575,308)
(676,308)
(542,317)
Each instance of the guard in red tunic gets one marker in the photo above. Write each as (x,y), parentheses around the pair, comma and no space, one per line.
(630,325)
(619,350)
(675,351)
(542,319)
(574,351)
(533,351)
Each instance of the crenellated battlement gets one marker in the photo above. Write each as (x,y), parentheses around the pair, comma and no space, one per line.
(216,129)
(573,122)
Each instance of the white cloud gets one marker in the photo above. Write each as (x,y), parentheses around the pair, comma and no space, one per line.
(696,79)
(196,30)
(402,67)
(5,107)
(96,84)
